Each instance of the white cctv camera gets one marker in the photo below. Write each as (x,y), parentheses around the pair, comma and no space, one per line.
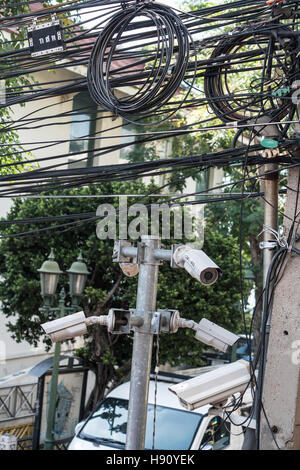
(66,328)
(76,325)
(214,387)
(206,331)
(214,335)
(197,264)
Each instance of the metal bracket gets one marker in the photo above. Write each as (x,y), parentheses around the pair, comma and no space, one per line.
(269,245)
(172,262)
(117,252)
(128,264)
(155,323)
(141,246)
(166,320)
(162,320)
(119,321)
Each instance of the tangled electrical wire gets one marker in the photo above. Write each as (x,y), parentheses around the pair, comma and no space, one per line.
(162,71)
(244,53)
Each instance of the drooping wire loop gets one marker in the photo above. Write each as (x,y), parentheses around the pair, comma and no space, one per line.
(154,65)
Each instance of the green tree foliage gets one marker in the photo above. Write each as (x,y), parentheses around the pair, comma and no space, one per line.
(108,355)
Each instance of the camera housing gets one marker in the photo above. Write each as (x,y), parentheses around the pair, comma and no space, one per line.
(66,328)
(197,264)
(206,331)
(214,387)
(214,335)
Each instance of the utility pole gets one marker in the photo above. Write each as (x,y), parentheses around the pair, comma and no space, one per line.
(142,345)
(270,212)
(268,136)
(145,321)
(281,393)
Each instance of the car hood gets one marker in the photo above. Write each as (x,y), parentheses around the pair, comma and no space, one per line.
(83,444)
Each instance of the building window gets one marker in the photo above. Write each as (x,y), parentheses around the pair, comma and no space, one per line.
(202,183)
(83,125)
(129,132)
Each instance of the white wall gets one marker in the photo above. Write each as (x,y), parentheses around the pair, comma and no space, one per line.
(18,356)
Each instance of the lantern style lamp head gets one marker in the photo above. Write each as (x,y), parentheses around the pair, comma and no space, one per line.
(49,273)
(77,277)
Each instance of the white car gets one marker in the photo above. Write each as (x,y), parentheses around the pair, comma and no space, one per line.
(175,428)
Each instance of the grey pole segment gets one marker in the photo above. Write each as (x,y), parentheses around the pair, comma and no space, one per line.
(49,438)
(270,212)
(129,251)
(281,397)
(270,220)
(142,345)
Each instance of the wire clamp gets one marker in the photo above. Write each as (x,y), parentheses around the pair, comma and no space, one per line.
(269,245)
(272,244)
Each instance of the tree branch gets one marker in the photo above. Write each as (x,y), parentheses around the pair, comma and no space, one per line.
(103,304)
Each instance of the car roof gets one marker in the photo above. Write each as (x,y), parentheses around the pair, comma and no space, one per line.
(164,396)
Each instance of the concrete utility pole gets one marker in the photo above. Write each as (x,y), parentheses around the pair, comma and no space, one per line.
(270,188)
(270,211)
(281,392)
(268,140)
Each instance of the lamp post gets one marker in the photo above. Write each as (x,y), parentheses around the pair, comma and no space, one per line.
(49,275)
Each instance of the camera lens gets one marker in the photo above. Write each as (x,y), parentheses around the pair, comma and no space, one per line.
(208,275)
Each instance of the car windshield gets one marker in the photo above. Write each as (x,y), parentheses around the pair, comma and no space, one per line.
(174,429)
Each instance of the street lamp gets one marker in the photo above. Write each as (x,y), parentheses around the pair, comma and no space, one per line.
(49,274)
(77,278)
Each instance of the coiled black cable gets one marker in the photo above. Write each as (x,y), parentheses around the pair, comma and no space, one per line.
(156,73)
(250,48)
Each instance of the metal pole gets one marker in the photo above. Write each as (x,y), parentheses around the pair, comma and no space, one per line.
(49,439)
(270,211)
(142,344)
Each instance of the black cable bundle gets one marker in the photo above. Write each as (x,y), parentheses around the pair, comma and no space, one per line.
(270,54)
(156,72)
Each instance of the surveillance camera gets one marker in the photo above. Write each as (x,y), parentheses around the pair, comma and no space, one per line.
(214,387)
(197,264)
(214,335)
(206,331)
(66,328)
